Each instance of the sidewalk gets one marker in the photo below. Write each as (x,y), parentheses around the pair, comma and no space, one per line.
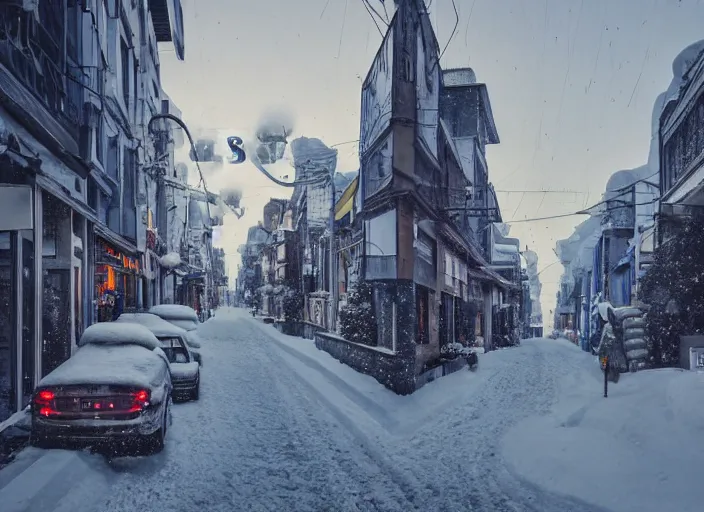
(400,414)
(14,435)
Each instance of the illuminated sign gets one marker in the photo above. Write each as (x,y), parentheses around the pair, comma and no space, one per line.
(120,259)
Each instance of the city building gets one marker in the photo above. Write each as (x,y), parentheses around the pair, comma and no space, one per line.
(74,111)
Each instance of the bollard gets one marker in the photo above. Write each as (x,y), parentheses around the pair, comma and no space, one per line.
(605,366)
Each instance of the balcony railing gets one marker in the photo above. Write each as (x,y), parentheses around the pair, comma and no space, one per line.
(33,52)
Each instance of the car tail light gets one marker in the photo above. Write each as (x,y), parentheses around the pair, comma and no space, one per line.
(46,395)
(43,400)
(140,400)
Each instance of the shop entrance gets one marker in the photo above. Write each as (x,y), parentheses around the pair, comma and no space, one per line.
(17,349)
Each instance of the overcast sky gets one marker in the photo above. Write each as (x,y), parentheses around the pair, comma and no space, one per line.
(572,85)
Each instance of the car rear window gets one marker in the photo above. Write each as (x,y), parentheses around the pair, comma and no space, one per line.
(174,350)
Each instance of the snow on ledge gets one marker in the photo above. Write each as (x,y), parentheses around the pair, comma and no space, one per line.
(170,260)
(336,336)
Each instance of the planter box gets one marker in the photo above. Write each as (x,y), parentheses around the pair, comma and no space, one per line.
(392,370)
(290,328)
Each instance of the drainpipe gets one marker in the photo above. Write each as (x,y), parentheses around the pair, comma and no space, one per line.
(333,259)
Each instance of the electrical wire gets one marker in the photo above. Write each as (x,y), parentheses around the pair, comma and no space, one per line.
(454,29)
(582,212)
(381,18)
(366,6)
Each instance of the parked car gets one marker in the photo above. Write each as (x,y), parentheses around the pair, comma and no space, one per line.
(181,316)
(190,337)
(116,387)
(185,365)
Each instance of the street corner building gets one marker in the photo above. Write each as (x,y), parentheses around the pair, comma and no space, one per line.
(78,212)
(423,268)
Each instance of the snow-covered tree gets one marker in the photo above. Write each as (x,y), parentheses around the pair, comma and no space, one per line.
(357,318)
(674,290)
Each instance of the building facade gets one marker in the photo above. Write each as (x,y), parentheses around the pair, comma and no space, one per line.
(422,205)
(682,143)
(72,229)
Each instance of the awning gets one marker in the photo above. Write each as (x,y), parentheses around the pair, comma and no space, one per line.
(625,260)
(120,242)
(194,276)
(346,202)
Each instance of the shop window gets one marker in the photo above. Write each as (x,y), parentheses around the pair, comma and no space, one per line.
(422,315)
(49,237)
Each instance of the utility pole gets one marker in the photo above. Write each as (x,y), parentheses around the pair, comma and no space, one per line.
(333,258)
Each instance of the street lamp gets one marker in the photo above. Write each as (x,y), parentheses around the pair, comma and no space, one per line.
(209,247)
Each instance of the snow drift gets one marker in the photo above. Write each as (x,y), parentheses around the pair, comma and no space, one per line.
(637,450)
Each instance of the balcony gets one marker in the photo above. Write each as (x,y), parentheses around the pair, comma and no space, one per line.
(167,17)
(33,84)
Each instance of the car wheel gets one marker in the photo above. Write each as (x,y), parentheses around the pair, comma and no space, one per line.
(154,443)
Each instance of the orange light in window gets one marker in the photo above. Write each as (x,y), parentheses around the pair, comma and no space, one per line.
(111,278)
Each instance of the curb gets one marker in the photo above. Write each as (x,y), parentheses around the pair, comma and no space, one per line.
(14,436)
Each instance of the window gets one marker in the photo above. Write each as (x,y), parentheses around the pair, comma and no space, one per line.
(125,60)
(100,139)
(73,29)
(129,181)
(92,194)
(135,94)
(111,166)
(174,350)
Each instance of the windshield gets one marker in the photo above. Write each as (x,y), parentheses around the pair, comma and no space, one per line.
(174,350)
(418,255)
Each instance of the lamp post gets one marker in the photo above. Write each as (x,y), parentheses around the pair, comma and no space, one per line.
(209,246)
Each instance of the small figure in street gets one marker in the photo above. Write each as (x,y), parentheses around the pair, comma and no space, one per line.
(610,351)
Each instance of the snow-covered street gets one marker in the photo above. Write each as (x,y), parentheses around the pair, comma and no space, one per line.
(283,427)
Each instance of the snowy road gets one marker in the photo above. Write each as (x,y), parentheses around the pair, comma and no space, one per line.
(273,432)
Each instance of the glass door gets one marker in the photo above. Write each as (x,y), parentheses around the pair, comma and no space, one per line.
(26,261)
(8,325)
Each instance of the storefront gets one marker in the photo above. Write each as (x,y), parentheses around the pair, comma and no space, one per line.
(41,284)
(117,277)
(45,222)
(192,291)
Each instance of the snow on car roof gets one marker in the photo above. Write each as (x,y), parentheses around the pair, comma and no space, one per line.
(188,325)
(126,365)
(174,312)
(157,325)
(119,333)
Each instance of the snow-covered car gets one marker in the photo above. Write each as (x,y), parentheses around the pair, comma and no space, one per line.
(181,316)
(185,367)
(116,387)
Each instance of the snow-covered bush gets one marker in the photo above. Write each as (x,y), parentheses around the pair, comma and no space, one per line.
(453,350)
(293,304)
(673,288)
(357,319)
